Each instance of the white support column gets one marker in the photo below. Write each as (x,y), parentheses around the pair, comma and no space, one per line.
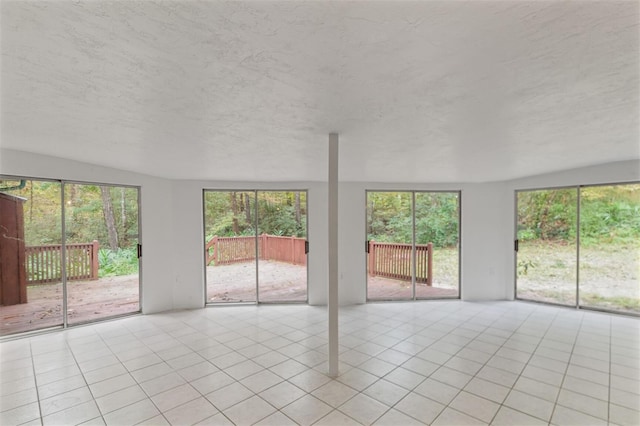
(333,255)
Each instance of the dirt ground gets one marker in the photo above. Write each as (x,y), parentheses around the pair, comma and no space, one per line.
(237,282)
(285,282)
(609,275)
(87,300)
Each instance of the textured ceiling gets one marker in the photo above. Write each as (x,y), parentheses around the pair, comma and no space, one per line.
(438,91)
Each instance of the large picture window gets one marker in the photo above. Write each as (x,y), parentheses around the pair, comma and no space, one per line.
(580,246)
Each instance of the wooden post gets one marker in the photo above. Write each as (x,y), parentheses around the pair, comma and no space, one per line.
(292,251)
(13,277)
(430,264)
(372,258)
(215,249)
(95,262)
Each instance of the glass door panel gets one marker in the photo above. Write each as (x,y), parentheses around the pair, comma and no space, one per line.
(390,238)
(230,246)
(282,234)
(546,258)
(102,265)
(30,255)
(437,230)
(610,247)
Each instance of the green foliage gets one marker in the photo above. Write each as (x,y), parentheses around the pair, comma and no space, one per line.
(608,213)
(233,213)
(120,262)
(389,217)
(84,216)
(524,265)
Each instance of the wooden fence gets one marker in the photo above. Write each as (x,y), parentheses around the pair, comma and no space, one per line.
(393,260)
(228,250)
(44,263)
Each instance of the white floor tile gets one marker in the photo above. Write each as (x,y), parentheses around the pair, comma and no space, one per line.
(172,398)
(73,415)
(567,416)
(419,407)
(19,415)
(65,400)
(309,380)
(623,416)
(335,418)
(386,392)
(132,414)
(395,418)
(363,409)
(452,417)
(215,420)
(229,395)
(437,391)
(306,410)
(509,417)
(583,403)
(249,411)
(334,393)
(282,394)
(483,349)
(535,388)
(121,398)
(162,383)
(212,382)
(278,419)
(17,399)
(288,368)
(475,406)
(113,384)
(192,412)
(261,381)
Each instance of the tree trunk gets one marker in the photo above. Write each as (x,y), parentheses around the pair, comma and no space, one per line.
(123,217)
(234,209)
(247,209)
(109,219)
(298,215)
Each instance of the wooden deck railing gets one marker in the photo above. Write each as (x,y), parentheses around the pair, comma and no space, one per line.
(228,250)
(44,263)
(393,260)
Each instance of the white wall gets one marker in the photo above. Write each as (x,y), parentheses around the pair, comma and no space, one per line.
(172,227)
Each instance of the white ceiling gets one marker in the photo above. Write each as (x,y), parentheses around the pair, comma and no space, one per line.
(433,91)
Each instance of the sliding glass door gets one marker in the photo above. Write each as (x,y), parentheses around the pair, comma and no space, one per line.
(412,245)
(53,278)
(610,247)
(31,292)
(282,238)
(230,246)
(255,246)
(101,229)
(547,264)
(580,246)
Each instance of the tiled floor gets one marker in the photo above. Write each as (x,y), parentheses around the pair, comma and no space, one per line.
(447,362)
